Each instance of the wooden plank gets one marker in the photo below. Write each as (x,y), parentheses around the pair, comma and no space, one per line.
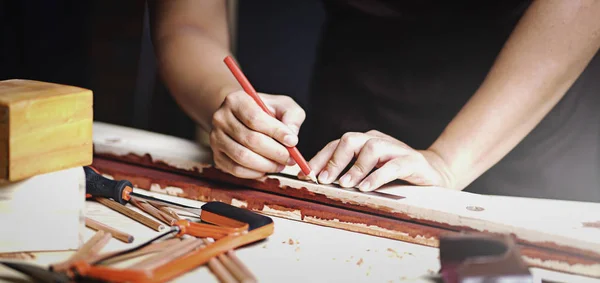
(550,223)
(560,225)
(324,215)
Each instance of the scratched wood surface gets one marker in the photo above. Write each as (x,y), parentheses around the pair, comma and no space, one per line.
(562,225)
(296,252)
(192,187)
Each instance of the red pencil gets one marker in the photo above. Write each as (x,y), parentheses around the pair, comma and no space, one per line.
(241,78)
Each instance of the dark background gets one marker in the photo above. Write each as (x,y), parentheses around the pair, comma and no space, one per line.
(104,46)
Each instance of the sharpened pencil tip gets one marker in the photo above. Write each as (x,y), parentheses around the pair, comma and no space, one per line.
(313,177)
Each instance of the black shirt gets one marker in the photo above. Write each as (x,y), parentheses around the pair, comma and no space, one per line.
(406,68)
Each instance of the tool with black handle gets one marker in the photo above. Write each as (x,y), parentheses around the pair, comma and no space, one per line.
(97,185)
(120,191)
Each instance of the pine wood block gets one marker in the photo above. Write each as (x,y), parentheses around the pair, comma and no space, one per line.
(44,127)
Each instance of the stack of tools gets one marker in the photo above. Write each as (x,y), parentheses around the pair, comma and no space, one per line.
(45,140)
(213,240)
(183,245)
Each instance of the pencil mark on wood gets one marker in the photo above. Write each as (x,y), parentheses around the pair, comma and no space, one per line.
(592,224)
(112,140)
(475,208)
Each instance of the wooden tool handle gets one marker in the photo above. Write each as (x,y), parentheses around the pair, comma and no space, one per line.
(148,208)
(89,250)
(119,235)
(132,214)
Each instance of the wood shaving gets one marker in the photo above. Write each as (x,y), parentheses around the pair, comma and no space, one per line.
(394,253)
(290,241)
(360,261)
(18,255)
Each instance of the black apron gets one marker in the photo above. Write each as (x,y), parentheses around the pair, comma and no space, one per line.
(406,68)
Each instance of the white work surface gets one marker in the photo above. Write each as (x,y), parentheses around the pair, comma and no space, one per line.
(296,252)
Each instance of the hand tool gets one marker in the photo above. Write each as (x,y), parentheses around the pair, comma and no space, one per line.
(149,222)
(38,273)
(481,257)
(241,78)
(227,267)
(120,191)
(260,227)
(191,228)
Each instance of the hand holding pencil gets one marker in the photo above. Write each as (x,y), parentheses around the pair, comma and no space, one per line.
(254,134)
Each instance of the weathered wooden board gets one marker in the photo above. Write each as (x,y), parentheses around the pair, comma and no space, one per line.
(556,225)
(159,181)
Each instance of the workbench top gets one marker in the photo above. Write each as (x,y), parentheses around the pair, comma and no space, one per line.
(296,252)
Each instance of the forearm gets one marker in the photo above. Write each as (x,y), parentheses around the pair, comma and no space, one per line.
(198,80)
(190,55)
(547,51)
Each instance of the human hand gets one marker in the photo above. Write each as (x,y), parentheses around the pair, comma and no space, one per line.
(247,142)
(392,158)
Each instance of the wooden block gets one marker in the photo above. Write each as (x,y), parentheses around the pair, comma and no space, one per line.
(44,127)
(43,213)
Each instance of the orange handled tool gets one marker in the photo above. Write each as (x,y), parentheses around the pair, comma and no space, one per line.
(241,78)
(120,191)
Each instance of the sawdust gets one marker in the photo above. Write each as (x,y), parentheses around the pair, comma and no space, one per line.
(360,261)
(291,242)
(297,249)
(264,246)
(394,253)
(592,224)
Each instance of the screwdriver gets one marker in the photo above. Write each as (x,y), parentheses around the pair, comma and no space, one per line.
(120,191)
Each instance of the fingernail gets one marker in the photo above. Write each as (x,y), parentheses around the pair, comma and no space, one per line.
(291,162)
(364,186)
(280,167)
(323,176)
(290,140)
(345,180)
(294,129)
